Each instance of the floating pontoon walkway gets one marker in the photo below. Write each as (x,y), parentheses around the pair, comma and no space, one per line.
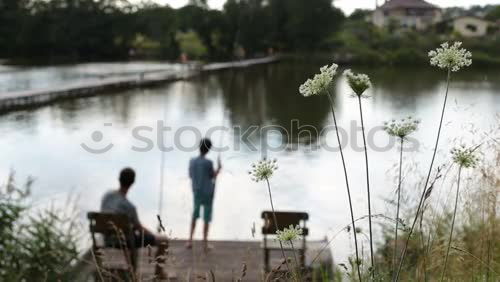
(21,99)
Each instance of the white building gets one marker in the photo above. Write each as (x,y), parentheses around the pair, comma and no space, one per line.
(412,14)
(470,26)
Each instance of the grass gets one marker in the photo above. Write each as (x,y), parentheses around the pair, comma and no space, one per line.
(36,245)
(349,198)
(425,187)
(474,247)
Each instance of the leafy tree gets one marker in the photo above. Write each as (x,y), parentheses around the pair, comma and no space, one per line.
(310,22)
(199,3)
(159,24)
(145,46)
(83,30)
(360,14)
(493,14)
(191,44)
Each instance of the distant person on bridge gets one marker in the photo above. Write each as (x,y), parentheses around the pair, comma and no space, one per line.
(203,175)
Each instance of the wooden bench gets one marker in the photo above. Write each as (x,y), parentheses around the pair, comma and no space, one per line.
(123,252)
(284,220)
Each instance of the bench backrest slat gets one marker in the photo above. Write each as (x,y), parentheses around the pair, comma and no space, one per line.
(285,219)
(108,223)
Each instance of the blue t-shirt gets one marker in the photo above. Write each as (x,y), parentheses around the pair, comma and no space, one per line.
(201,172)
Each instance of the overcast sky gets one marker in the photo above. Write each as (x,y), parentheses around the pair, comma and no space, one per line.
(347,5)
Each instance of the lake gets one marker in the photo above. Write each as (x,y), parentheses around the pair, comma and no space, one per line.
(47,142)
(18,78)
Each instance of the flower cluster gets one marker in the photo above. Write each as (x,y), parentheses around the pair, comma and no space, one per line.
(450,57)
(401,128)
(263,170)
(465,157)
(359,83)
(289,234)
(320,82)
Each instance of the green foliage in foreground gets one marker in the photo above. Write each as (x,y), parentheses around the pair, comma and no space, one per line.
(475,249)
(34,245)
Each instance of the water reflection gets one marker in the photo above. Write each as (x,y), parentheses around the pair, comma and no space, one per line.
(260,96)
(39,140)
(29,78)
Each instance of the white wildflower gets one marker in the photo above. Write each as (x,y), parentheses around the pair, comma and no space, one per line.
(359,83)
(401,128)
(289,234)
(450,57)
(320,82)
(464,157)
(263,170)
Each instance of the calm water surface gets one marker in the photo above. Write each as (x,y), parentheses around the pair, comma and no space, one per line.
(14,78)
(46,143)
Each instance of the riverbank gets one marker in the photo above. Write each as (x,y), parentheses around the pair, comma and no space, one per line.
(15,100)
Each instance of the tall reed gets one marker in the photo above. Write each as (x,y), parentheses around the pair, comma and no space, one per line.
(465,158)
(320,85)
(262,171)
(359,83)
(288,235)
(452,59)
(399,129)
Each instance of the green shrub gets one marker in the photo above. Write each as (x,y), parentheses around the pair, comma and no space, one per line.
(406,57)
(191,44)
(483,59)
(34,245)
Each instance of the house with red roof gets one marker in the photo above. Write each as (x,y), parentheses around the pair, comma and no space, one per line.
(410,14)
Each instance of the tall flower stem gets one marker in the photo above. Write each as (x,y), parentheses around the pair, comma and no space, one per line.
(367,189)
(358,261)
(294,255)
(424,247)
(452,226)
(276,223)
(422,197)
(296,261)
(395,256)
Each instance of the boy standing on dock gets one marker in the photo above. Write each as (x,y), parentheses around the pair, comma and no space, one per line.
(203,175)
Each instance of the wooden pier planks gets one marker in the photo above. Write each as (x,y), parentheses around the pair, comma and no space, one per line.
(225,260)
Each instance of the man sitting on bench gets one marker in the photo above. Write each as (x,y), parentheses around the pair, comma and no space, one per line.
(115,201)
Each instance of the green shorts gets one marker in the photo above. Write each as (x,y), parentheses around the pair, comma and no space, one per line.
(205,201)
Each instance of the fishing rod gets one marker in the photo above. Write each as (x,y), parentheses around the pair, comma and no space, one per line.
(161,187)
(162,178)
(162,158)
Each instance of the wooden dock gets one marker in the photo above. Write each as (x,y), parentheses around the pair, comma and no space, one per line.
(21,99)
(225,261)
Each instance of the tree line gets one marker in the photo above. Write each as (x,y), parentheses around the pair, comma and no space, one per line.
(87,30)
